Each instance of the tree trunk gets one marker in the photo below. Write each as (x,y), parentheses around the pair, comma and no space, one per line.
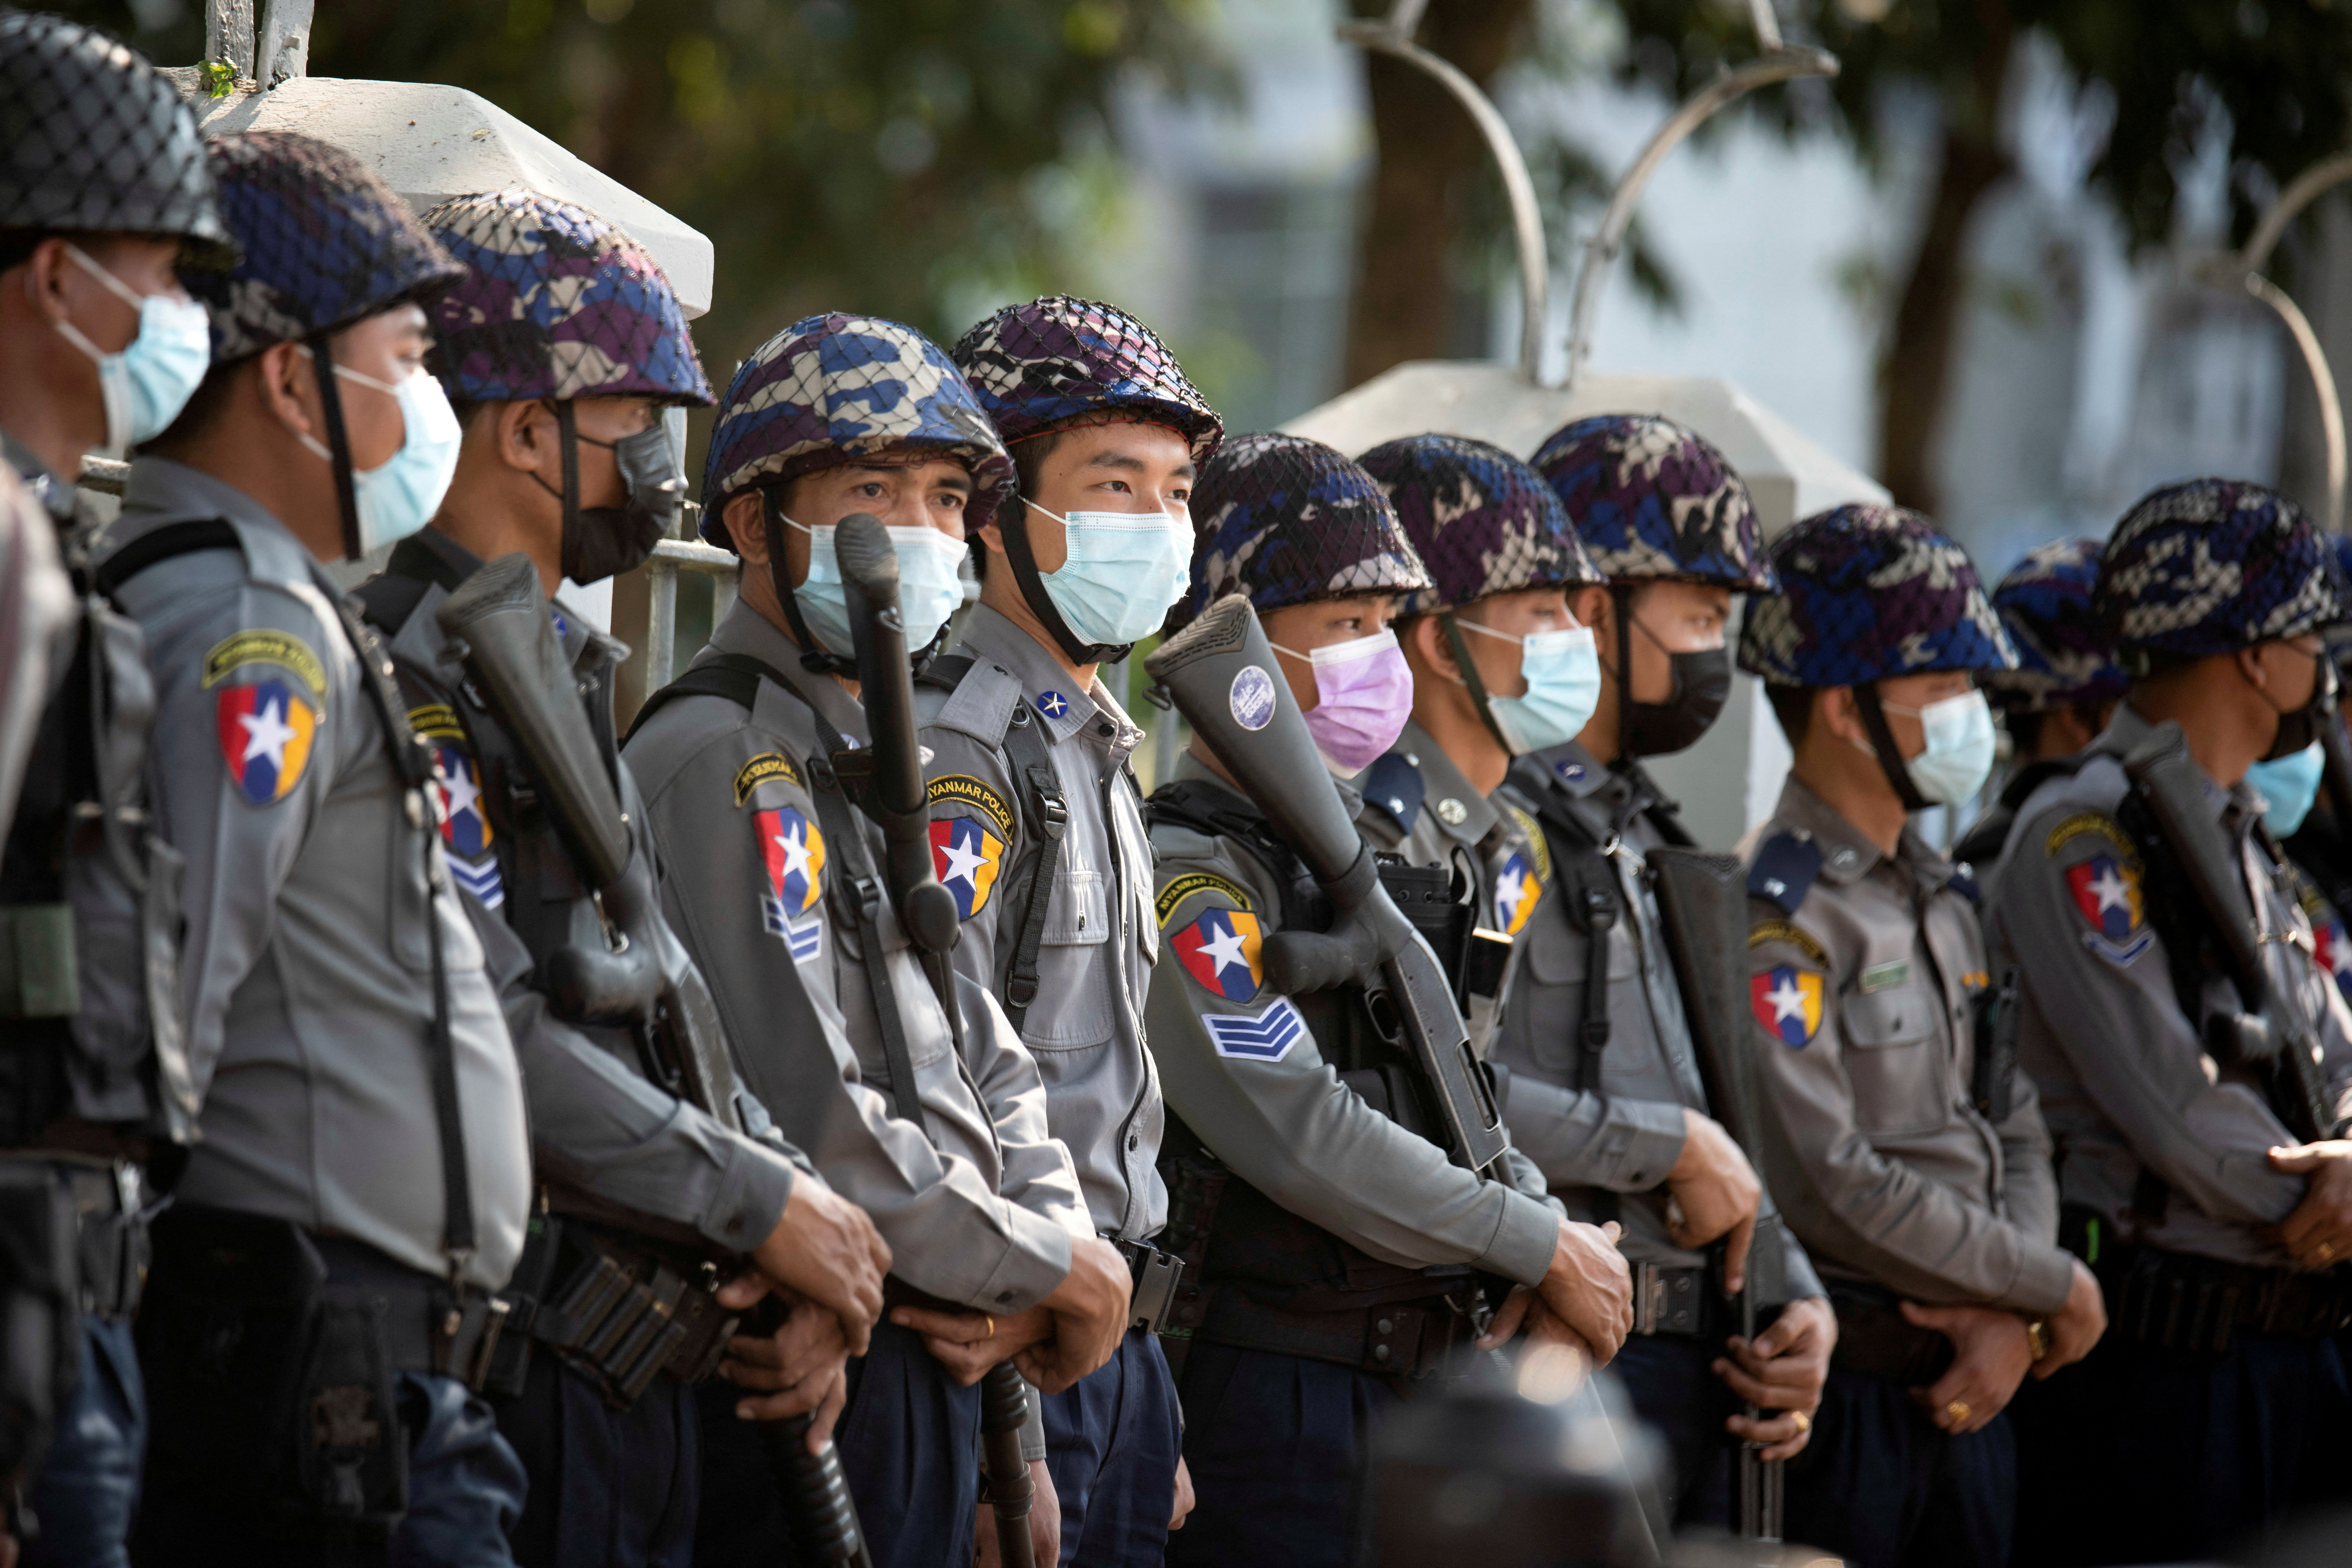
(1427,151)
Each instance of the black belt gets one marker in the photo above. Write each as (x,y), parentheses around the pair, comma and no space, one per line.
(1410,1339)
(2178,1300)
(1156,1275)
(621,1310)
(1678,1301)
(429,1325)
(110,1201)
(1876,1340)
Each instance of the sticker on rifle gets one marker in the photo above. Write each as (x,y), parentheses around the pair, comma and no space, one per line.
(1219,949)
(760,770)
(962,789)
(1787,1002)
(1265,1036)
(1251,698)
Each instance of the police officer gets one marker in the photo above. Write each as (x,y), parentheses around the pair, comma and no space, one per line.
(1920,1186)
(1339,1246)
(2064,689)
(103,188)
(766,856)
(2217,1401)
(1606,1085)
(559,348)
(1040,830)
(1499,666)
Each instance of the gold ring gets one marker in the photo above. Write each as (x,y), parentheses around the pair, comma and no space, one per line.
(1805,1421)
(1957,1410)
(991,1327)
(2327,1251)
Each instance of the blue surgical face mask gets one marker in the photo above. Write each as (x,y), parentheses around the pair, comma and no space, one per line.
(1563,675)
(147,383)
(928,588)
(1123,572)
(398,497)
(2288,786)
(1958,757)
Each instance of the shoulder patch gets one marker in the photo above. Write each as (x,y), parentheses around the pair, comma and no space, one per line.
(1518,889)
(2107,892)
(466,837)
(1220,950)
(1179,889)
(1784,870)
(2331,948)
(1797,937)
(1787,1002)
(792,854)
(760,770)
(966,857)
(266,730)
(1963,881)
(1538,846)
(1393,786)
(1265,1036)
(436,720)
(966,790)
(284,649)
(2073,827)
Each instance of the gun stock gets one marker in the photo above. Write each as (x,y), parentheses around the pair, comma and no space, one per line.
(1003,1411)
(1223,678)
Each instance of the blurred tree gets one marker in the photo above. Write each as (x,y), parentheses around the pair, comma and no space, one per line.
(917,159)
(2275,76)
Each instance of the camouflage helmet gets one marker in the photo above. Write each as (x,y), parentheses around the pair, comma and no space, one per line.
(1288,520)
(2209,566)
(1653,500)
(1061,360)
(1868,593)
(555,303)
(2062,655)
(831,388)
(326,244)
(92,139)
(1484,522)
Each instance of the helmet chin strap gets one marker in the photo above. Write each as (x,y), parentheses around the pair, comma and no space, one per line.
(1031,584)
(1470,681)
(338,443)
(1882,744)
(815,657)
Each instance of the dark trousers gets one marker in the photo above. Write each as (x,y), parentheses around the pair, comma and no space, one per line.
(1279,1448)
(1883,1486)
(910,1441)
(88,1490)
(1672,1385)
(2142,1455)
(609,1489)
(1111,1445)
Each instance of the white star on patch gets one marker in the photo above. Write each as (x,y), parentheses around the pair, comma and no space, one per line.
(1788,1001)
(1052,704)
(796,853)
(2339,957)
(2112,891)
(1225,950)
(1508,888)
(266,735)
(461,791)
(962,864)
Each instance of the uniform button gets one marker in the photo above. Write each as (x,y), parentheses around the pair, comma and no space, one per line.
(1450,812)
(1386,1326)
(1134,1141)
(1105,729)
(1380,1353)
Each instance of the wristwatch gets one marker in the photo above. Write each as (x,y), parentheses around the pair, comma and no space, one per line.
(2037,1337)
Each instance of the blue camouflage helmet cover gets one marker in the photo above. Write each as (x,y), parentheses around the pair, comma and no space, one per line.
(1061,361)
(2209,566)
(557,303)
(1288,520)
(2062,653)
(831,388)
(326,244)
(1483,522)
(1868,593)
(1653,500)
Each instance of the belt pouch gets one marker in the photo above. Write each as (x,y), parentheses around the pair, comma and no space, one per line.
(40,1345)
(349,1461)
(526,1293)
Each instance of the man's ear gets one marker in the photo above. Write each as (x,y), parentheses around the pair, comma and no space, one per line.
(282,374)
(1596,607)
(524,434)
(1426,640)
(747,528)
(1836,709)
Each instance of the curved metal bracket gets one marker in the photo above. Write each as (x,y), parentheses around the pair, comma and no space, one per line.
(1393,37)
(1780,63)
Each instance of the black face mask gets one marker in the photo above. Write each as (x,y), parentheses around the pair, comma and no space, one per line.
(2298,729)
(1702,685)
(601,541)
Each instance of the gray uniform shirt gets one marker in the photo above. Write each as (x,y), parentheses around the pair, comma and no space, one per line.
(1243,1069)
(595,1120)
(1625,1135)
(308,965)
(2123,1074)
(1086,1027)
(978,1205)
(1863,999)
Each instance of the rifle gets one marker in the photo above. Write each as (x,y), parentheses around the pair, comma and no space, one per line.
(644,978)
(1703,909)
(885,778)
(2166,811)
(1220,672)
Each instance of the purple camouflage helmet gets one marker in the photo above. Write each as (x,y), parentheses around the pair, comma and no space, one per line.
(830,388)
(1288,520)
(1653,500)
(1484,522)
(2209,566)
(1061,360)
(2063,653)
(556,303)
(1867,593)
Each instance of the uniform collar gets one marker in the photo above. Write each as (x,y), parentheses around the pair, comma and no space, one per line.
(1048,688)
(744,630)
(1471,817)
(160,491)
(1847,854)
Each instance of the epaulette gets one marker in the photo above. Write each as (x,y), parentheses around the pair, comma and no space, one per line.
(1393,786)
(1784,870)
(1963,881)
(982,697)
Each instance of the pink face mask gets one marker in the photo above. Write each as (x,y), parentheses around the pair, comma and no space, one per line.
(1363,695)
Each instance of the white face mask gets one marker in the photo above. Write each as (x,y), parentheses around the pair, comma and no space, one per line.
(1960,742)
(928,588)
(1563,674)
(400,494)
(147,382)
(1123,570)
